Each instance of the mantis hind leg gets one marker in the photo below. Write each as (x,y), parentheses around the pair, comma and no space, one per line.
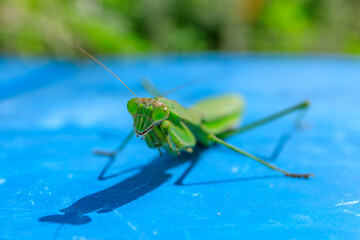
(284,139)
(280,145)
(259,160)
(298,107)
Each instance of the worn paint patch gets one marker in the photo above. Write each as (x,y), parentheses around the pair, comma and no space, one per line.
(347,203)
(353,213)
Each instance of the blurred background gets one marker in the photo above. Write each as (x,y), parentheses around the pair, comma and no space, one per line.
(37,27)
(57,105)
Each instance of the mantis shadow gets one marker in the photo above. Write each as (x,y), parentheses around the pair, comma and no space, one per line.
(148,178)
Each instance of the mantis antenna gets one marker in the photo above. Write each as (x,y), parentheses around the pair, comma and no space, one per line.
(88,54)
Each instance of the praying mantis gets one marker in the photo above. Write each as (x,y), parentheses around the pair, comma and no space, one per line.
(168,126)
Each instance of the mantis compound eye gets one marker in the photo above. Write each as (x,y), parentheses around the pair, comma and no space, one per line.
(160,113)
(132,106)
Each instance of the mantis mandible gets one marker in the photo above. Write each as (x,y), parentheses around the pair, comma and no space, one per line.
(166,125)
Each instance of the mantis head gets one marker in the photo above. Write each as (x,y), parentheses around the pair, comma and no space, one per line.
(147,113)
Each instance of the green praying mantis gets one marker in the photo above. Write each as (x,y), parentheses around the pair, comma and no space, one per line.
(166,125)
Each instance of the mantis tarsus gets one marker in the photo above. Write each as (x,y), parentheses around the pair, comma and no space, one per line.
(166,125)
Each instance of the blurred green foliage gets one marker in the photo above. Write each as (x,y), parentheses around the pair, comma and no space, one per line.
(37,27)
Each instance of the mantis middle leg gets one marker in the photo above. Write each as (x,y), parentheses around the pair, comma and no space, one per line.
(118,149)
(112,155)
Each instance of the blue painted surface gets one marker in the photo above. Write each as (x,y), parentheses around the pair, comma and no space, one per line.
(48,174)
